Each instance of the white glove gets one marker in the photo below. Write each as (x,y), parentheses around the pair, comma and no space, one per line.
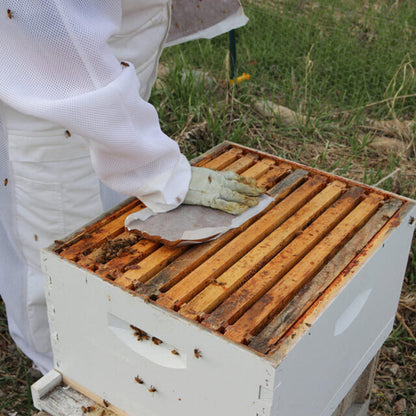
(225,191)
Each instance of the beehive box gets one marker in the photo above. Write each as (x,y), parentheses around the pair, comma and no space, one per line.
(278,317)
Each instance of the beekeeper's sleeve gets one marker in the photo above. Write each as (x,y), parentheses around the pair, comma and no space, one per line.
(56,64)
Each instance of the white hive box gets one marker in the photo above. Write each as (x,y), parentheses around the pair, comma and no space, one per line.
(277,318)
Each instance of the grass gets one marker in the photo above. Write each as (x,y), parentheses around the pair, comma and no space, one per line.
(343,65)
(338,64)
(16,374)
(326,54)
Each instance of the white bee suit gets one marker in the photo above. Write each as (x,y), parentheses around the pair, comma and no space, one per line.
(72,113)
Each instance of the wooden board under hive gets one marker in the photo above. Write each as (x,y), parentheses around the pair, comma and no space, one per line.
(257,292)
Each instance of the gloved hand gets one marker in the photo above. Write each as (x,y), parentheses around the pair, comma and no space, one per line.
(225,191)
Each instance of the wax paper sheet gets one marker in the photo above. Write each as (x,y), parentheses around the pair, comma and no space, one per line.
(189,224)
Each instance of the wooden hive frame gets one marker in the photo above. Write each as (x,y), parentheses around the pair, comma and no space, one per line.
(254,284)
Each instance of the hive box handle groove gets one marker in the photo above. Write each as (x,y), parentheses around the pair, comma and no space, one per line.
(158,353)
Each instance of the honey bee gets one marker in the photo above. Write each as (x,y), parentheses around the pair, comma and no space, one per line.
(36,237)
(152,389)
(125,64)
(67,133)
(87,409)
(174,352)
(102,413)
(9,13)
(6,181)
(411,220)
(197,353)
(139,333)
(156,341)
(106,403)
(138,380)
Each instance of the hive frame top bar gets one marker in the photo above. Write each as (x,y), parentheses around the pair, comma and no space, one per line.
(220,146)
(239,323)
(216,150)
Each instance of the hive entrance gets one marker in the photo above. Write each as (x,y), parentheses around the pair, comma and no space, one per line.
(254,282)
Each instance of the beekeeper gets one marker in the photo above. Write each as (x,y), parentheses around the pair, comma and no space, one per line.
(75,123)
